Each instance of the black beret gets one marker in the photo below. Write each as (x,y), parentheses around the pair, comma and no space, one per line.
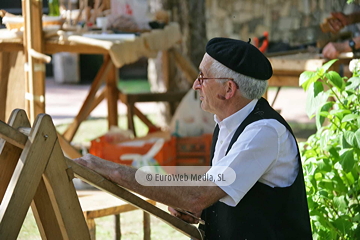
(240,56)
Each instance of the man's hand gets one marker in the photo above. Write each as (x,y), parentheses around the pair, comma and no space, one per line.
(332,50)
(338,21)
(101,166)
(186,217)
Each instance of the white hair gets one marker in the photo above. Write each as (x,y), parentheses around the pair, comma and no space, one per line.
(250,88)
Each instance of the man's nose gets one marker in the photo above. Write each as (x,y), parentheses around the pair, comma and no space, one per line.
(196,85)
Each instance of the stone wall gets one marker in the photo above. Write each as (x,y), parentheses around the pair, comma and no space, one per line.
(293,22)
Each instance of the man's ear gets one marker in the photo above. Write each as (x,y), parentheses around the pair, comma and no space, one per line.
(231,89)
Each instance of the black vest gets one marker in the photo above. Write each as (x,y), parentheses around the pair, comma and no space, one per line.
(264,212)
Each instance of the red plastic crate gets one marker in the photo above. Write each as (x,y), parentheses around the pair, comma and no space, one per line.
(184,151)
(193,151)
(112,151)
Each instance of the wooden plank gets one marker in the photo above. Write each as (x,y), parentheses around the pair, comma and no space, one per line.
(11,47)
(50,227)
(10,153)
(296,64)
(185,65)
(68,149)
(88,103)
(112,93)
(152,97)
(63,196)
(16,85)
(55,47)
(26,178)
(279,81)
(143,118)
(11,135)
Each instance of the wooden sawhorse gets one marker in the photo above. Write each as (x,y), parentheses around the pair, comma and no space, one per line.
(34,172)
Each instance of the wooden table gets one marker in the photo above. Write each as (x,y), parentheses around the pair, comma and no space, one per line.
(288,68)
(35,79)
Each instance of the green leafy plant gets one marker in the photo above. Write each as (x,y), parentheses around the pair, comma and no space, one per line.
(331,156)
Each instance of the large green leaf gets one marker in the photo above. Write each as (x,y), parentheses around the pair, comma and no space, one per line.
(347,160)
(306,78)
(350,117)
(327,65)
(323,112)
(340,203)
(343,223)
(318,88)
(314,103)
(340,113)
(334,153)
(353,83)
(349,137)
(335,79)
(357,138)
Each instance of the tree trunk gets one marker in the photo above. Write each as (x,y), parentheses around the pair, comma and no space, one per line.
(190,15)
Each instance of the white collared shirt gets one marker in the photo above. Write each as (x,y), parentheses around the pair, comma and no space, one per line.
(265,152)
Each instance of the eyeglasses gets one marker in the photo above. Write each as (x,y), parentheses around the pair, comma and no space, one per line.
(201,78)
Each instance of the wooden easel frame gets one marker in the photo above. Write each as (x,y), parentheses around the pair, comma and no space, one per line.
(34,172)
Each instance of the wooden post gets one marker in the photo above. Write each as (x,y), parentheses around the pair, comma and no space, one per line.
(147,230)
(4,76)
(112,93)
(35,95)
(117,227)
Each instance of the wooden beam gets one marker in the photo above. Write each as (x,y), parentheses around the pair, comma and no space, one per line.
(11,47)
(26,178)
(152,97)
(185,65)
(88,103)
(112,93)
(44,214)
(12,136)
(55,47)
(58,180)
(9,153)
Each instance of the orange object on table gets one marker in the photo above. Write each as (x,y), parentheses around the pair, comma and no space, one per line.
(113,151)
(176,151)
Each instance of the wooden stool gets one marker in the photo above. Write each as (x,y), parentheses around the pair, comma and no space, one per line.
(97,204)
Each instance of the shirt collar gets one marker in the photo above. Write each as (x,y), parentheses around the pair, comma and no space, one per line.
(237,118)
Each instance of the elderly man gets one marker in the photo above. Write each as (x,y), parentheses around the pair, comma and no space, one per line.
(267,199)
